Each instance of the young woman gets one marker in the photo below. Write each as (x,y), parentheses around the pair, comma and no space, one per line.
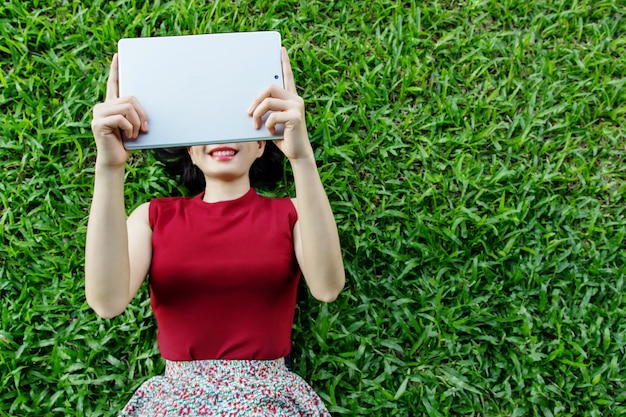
(224,265)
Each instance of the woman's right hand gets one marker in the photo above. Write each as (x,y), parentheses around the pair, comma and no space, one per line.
(114,116)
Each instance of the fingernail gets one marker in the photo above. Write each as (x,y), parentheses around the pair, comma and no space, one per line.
(144,126)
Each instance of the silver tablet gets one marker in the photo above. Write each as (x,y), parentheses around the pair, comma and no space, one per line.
(196,89)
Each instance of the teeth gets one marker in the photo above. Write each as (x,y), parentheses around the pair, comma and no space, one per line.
(223,153)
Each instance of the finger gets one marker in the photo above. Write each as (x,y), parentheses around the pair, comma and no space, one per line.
(272,91)
(127,112)
(143,116)
(133,117)
(268,104)
(128,107)
(112,124)
(270,124)
(288,80)
(286,118)
(123,125)
(112,80)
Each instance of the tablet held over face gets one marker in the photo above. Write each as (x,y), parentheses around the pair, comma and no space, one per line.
(196,89)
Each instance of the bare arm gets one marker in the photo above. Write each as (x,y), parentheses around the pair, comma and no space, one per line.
(117,255)
(316,241)
(117,252)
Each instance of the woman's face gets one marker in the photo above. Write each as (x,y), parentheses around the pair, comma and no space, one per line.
(228,161)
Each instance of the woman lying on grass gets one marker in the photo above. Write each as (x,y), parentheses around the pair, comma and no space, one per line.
(224,265)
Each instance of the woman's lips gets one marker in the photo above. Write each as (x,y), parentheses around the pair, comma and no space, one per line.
(223,153)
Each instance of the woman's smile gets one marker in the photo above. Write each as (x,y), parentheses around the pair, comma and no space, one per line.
(223,153)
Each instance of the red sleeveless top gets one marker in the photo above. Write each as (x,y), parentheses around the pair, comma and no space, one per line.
(224,277)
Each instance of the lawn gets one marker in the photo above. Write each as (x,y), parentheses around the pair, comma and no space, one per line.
(475,157)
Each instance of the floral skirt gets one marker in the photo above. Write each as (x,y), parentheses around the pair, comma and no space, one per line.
(225,388)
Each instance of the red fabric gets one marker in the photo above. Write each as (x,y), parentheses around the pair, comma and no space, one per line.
(224,277)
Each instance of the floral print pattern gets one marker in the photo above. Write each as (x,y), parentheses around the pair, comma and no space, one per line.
(226,388)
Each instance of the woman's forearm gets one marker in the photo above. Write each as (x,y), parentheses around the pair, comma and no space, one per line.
(107,266)
(322,264)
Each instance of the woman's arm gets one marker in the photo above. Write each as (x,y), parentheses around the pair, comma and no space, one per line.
(316,241)
(117,252)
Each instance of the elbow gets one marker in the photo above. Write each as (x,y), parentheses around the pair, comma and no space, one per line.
(326,297)
(330,293)
(106,311)
(105,314)
(105,304)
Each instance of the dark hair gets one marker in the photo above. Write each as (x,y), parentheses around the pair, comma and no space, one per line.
(265,172)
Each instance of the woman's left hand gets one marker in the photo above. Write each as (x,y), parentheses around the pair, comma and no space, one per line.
(287,108)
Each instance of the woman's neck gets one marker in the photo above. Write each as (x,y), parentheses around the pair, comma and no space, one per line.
(216,191)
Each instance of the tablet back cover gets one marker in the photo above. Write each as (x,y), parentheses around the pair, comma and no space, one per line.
(196,89)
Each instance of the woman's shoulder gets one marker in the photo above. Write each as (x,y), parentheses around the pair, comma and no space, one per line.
(275,200)
(170,201)
(280,205)
(165,207)
(140,213)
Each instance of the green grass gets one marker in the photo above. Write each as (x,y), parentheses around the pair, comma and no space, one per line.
(475,156)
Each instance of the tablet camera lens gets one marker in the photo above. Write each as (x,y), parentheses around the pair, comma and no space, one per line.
(275,77)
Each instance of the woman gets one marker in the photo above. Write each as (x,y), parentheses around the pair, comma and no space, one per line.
(227,253)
